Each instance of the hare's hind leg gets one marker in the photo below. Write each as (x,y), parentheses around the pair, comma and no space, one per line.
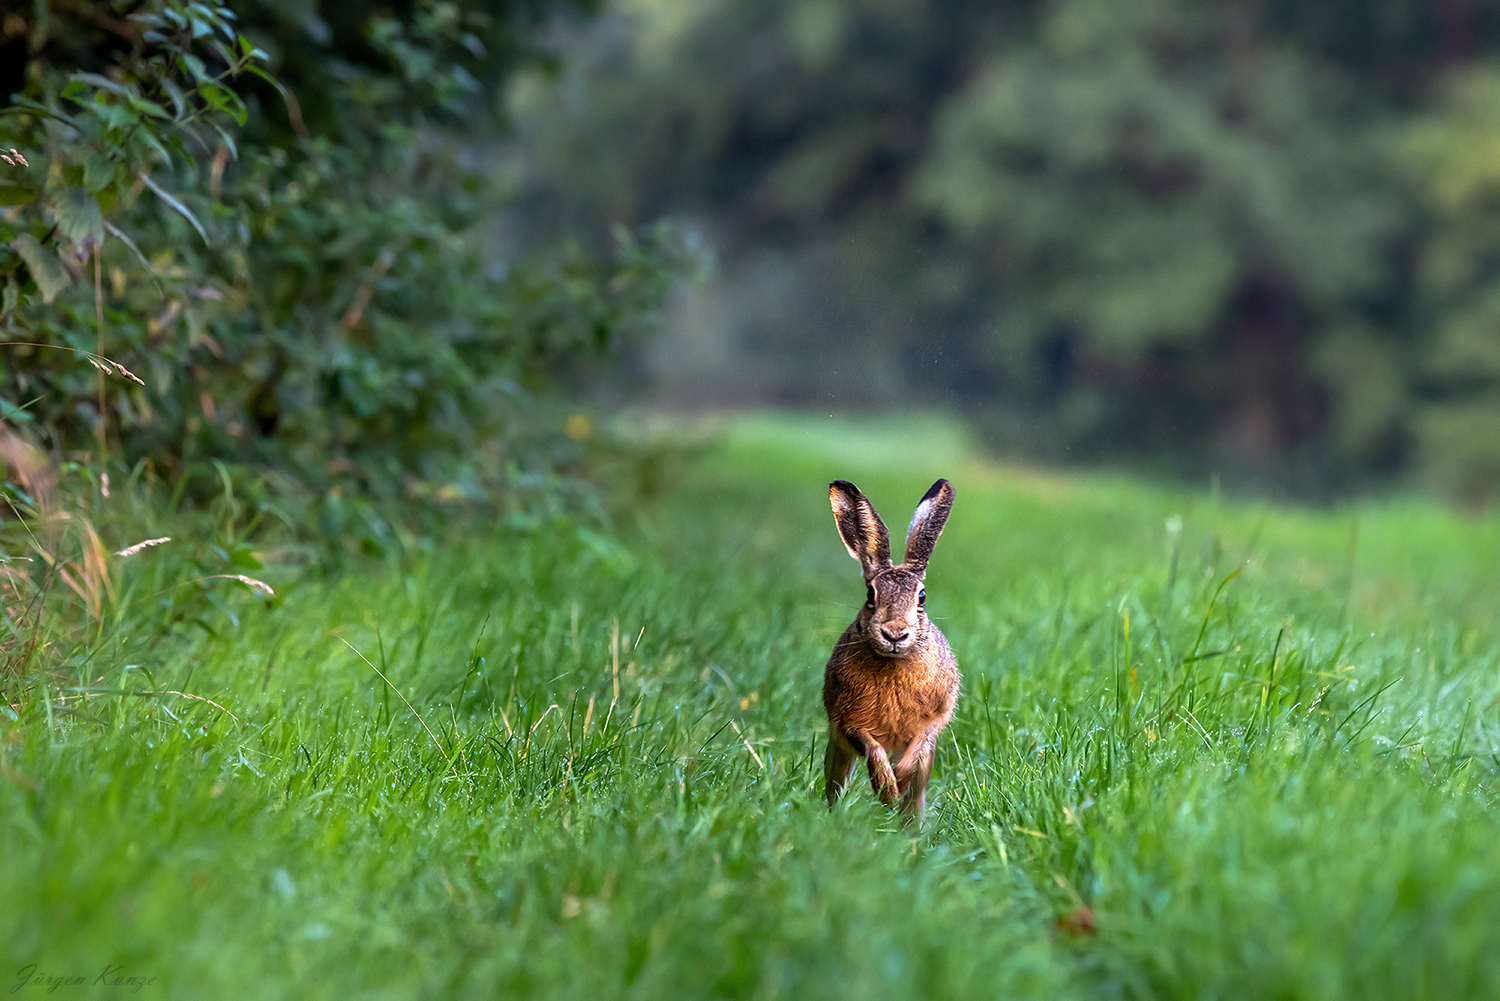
(838,765)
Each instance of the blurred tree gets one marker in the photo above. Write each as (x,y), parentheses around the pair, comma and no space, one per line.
(1172,204)
(1453,158)
(1186,231)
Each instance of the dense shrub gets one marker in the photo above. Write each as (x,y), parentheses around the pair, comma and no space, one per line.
(279,221)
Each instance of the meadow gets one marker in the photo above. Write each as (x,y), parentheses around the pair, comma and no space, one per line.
(1206,748)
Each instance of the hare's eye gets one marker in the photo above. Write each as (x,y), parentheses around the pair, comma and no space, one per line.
(922,597)
(870,595)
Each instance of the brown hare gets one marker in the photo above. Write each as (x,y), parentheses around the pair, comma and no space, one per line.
(892,683)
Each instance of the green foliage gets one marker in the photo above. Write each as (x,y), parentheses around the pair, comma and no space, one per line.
(94,142)
(362,71)
(298,269)
(1278,785)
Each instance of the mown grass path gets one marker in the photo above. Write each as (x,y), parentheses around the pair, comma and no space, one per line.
(1205,749)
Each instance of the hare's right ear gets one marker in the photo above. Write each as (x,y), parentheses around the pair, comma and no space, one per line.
(860,527)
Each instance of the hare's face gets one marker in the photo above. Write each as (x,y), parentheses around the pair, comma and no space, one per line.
(894,618)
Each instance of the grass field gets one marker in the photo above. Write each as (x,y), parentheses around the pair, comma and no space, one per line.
(1205,749)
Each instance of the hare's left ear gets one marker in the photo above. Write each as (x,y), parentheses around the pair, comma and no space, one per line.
(927,525)
(860,527)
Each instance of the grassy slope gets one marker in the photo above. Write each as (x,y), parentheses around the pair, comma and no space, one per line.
(1245,814)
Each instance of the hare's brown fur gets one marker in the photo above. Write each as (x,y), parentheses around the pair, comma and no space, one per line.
(891,684)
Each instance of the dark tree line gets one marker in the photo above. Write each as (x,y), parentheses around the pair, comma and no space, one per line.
(1257,236)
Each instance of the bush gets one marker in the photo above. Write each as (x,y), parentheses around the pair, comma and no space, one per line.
(294,286)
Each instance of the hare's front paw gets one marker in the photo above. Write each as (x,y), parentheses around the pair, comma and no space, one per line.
(882,778)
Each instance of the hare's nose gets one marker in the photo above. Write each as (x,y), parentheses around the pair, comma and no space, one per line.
(894,638)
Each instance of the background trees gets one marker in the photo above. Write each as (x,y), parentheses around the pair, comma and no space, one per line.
(1252,236)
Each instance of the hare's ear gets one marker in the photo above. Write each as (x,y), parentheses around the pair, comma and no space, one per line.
(860,527)
(927,524)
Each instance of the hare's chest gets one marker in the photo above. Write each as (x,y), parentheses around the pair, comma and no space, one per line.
(903,710)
